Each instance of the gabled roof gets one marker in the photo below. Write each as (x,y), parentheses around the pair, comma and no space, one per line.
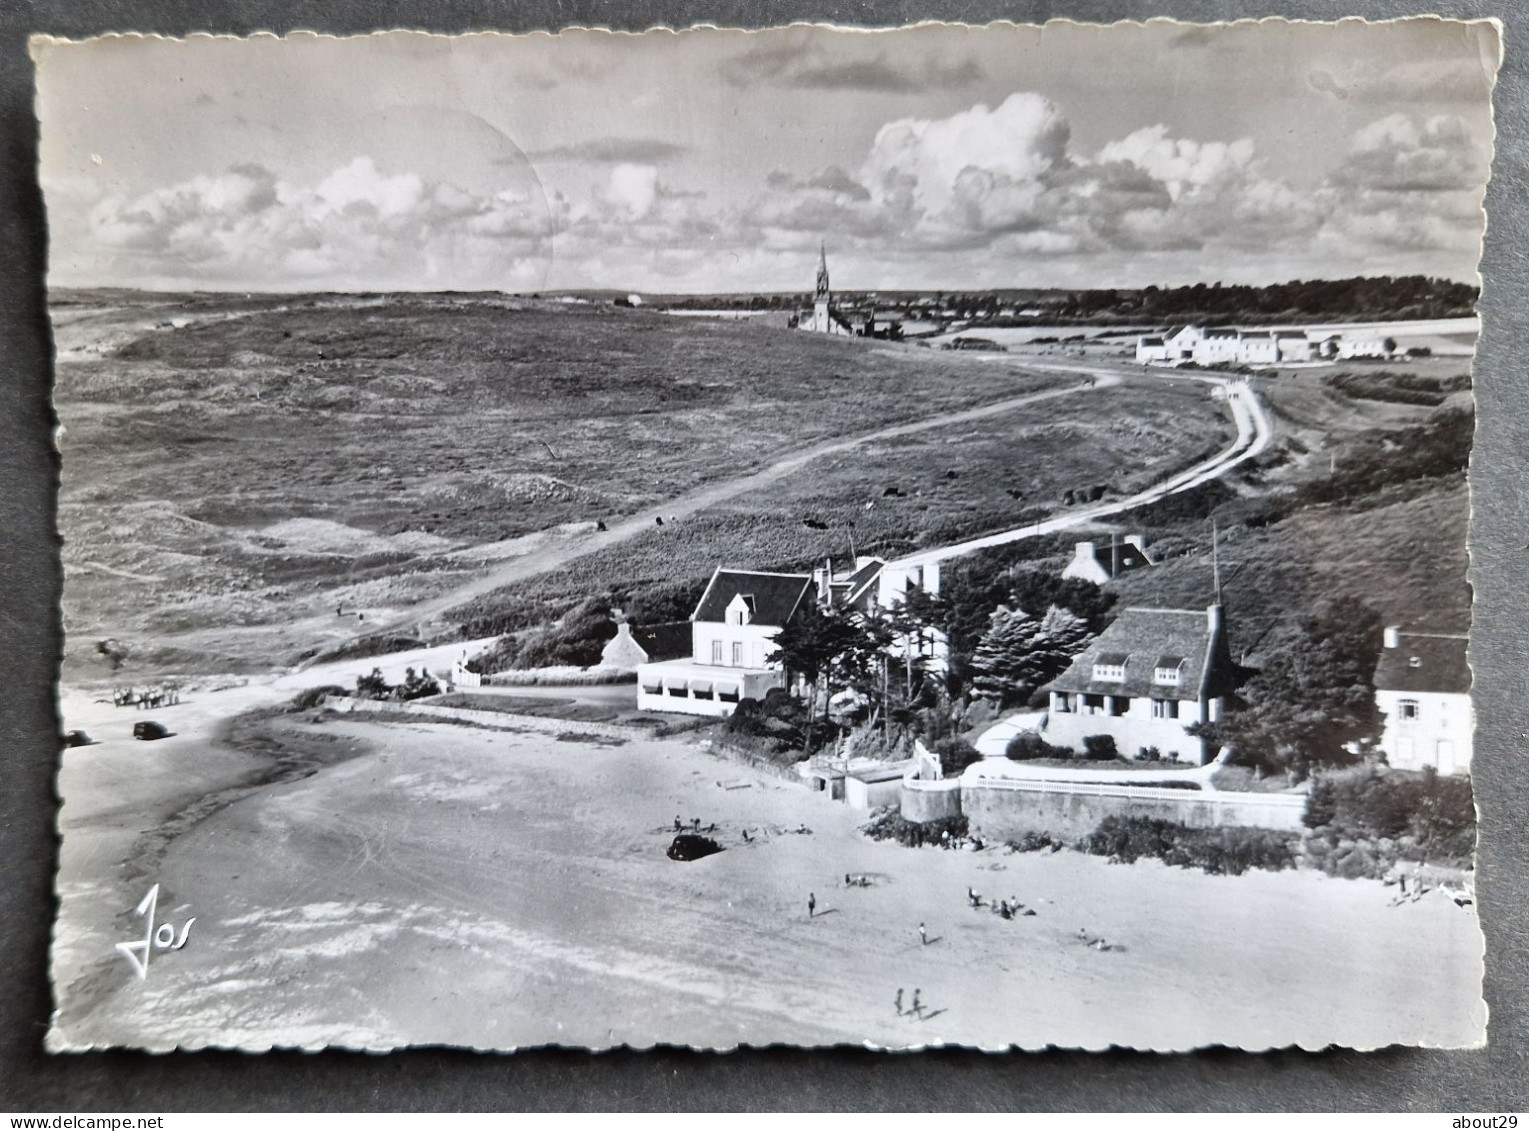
(862,579)
(1425,663)
(773,596)
(667,641)
(1145,638)
(1116,559)
(1151,341)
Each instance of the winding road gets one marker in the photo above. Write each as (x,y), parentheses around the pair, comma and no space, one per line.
(1254,433)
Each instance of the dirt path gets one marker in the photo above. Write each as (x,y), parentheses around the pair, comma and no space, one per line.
(544,559)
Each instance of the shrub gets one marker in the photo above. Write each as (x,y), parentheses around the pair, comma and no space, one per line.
(1100,747)
(309,698)
(955,755)
(1229,851)
(1034,842)
(1421,814)
(889,824)
(1027,745)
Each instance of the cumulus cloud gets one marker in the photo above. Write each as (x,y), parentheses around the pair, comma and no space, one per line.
(1007,181)
(1398,153)
(356,222)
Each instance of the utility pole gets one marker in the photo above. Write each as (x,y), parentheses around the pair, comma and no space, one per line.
(1215,558)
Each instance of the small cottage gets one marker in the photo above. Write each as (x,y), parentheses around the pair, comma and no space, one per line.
(1423,689)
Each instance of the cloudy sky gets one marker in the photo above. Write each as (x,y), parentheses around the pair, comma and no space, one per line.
(936,157)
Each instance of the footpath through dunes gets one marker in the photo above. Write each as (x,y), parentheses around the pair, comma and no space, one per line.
(551,556)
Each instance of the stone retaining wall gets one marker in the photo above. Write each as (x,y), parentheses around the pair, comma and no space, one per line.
(1006,810)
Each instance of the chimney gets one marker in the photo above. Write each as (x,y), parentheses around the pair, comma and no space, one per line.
(1214,618)
(1393,636)
(1083,551)
(1138,541)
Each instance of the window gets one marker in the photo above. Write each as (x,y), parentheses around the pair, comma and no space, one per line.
(1408,709)
(737,653)
(1115,673)
(1167,671)
(716,651)
(1119,704)
(1165,708)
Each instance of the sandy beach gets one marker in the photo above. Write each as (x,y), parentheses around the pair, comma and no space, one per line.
(431,884)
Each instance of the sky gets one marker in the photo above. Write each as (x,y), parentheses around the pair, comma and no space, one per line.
(935,157)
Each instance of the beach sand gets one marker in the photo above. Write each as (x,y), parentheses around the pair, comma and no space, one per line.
(432,884)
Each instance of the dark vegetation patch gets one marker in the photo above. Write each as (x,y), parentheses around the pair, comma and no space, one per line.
(1227,851)
(1363,820)
(1398,387)
(889,824)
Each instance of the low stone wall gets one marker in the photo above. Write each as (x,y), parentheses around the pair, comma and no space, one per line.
(750,758)
(925,801)
(502,720)
(1006,810)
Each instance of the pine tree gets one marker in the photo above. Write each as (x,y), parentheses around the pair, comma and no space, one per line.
(1020,652)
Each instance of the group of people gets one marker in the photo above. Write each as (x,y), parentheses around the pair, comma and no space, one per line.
(915,1007)
(856,881)
(695,826)
(1010,908)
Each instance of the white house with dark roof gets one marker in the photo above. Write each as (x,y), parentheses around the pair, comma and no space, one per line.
(1143,681)
(1423,689)
(1099,562)
(732,631)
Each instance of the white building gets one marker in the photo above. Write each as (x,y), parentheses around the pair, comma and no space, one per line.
(1228,345)
(1422,687)
(1096,562)
(1143,681)
(733,631)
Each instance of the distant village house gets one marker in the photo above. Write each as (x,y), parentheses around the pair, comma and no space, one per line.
(1228,345)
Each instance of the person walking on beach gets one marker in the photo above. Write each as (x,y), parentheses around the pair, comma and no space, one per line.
(812,904)
(923,938)
(898,1001)
(917,1008)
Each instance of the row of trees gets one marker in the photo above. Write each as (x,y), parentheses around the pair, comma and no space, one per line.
(885,656)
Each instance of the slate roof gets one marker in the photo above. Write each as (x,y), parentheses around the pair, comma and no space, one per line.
(863,577)
(773,596)
(1222,332)
(1146,637)
(1425,663)
(1151,341)
(670,640)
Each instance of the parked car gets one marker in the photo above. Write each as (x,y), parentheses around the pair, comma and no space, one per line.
(688,846)
(149,731)
(78,738)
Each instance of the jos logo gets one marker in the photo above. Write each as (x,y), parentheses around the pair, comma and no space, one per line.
(162,938)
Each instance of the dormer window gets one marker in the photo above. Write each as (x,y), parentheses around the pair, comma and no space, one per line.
(1110,667)
(740,610)
(1166,670)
